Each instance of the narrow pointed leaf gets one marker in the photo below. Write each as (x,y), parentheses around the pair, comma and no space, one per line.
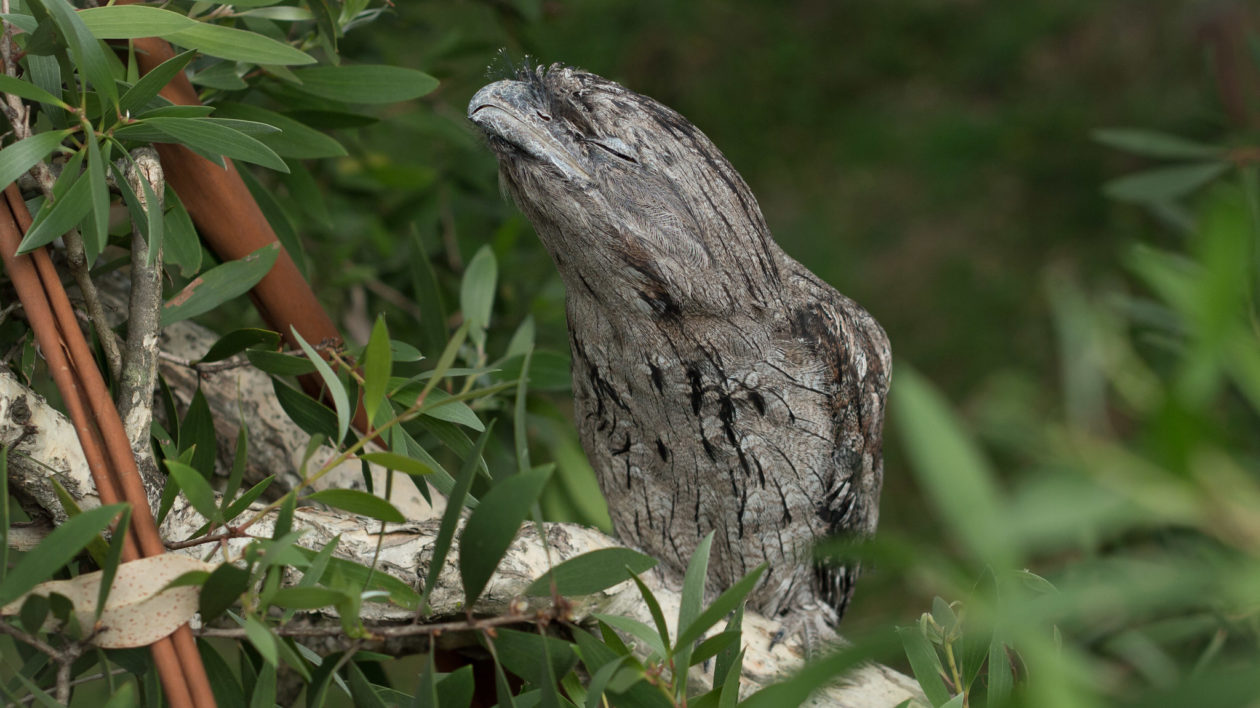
(377,367)
(364,83)
(295,139)
(358,502)
(591,572)
(153,82)
(133,21)
(21,156)
(1164,183)
(56,550)
(29,91)
(61,216)
(1154,144)
(206,135)
(238,45)
(220,284)
(341,398)
(492,527)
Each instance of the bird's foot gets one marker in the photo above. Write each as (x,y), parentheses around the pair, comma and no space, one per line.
(811,625)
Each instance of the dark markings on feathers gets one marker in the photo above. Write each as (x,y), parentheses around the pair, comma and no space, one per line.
(662,450)
(758,401)
(697,391)
(657,381)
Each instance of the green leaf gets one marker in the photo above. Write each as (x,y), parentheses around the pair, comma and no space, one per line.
(262,639)
(109,568)
(951,470)
(377,368)
(220,284)
(238,45)
(29,91)
(307,598)
(693,585)
(196,489)
(425,695)
(654,607)
(295,139)
(264,693)
(222,589)
(649,636)
(728,660)
(152,83)
(239,340)
(59,216)
(443,406)
(358,502)
(133,21)
(455,690)
(454,510)
(591,572)
(476,294)
(21,156)
(925,664)
(223,75)
(1001,681)
(205,135)
(713,646)
(309,414)
(1165,183)
(86,51)
(96,163)
(241,503)
(493,525)
(366,579)
(63,544)
(1154,144)
(524,653)
(401,463)
(599,681)
(730,684)
(341,398)
(280,364)
(725,602)
(548,371)
(365,83)
(429,294)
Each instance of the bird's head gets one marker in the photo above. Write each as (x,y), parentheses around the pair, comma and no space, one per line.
(624,192)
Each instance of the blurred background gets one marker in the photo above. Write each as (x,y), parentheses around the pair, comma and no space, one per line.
(933,160)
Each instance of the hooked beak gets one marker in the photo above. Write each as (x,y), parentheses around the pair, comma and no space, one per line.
(508,110)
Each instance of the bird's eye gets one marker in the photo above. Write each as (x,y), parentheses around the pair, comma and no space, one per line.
(546,117)
(614,147)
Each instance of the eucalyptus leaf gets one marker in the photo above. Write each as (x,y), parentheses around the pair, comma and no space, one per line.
(133,21)
(238,45)
(364,83)
(1164,183)
(358,502)
(57,549)
(493,525)
(220,284)
(591,572)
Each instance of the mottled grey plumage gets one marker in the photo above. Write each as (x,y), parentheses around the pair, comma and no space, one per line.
(720,385)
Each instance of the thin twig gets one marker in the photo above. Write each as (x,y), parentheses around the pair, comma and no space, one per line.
(139,370)
(211,368)
(393,631)
(80,681)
